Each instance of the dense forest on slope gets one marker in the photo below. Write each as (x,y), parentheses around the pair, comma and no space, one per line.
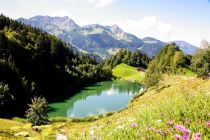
(135,59)
(170,60)
(32,62)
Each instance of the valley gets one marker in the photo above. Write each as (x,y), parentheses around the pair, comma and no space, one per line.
(104,70)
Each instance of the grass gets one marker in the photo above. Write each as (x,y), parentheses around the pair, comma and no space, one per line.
(178,100)
(125,72)
(183,100)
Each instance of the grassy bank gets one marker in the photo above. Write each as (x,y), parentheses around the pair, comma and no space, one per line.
(154,115)
(125,72)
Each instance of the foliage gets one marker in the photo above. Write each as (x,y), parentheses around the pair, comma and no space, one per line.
(37,113)
(177,101)
(135,59)
(168,61)
(201,62)
(5,95)
(33,62)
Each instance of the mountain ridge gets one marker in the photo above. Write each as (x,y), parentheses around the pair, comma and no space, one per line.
(98,39)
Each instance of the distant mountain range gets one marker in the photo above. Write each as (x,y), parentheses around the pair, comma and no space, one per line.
(98,39)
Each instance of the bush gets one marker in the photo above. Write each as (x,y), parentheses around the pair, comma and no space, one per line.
(37,113)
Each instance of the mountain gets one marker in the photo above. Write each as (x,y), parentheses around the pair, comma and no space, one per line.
(186,47)
(151,46)
(100,40)
(95,39)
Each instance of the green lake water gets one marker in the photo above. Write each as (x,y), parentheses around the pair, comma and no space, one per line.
(99,98)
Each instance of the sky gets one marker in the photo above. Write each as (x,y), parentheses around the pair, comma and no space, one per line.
(166,20)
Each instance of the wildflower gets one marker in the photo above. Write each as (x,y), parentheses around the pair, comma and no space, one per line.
(134,125)
(197,136)
(180,127)
(177,136)
(208,124)
(92,132)
(186,131)
(170,122)
(162,113)
(186,137)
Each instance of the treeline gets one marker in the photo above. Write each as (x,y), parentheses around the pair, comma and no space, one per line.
(32,62)
(171,60)
(135,59)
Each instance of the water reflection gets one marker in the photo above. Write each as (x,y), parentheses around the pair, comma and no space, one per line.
(97,99)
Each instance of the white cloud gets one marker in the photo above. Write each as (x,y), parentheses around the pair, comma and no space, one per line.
(101,3)
(149,26)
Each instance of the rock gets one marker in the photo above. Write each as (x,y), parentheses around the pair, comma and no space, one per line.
(24,134)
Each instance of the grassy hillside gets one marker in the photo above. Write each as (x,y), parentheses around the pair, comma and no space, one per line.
(178,100)
(125,72)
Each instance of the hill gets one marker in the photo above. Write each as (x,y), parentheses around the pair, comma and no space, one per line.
(125,72)
(177,101)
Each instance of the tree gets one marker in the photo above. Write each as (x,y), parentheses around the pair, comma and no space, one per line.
(5,95)
(201,62)
(168,61)
(37,113)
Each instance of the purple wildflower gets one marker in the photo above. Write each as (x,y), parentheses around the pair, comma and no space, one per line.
(208,124)
(186,137)
(186,131)
(134,125)
(197,136)
(170,122)
(177,136)
(180,127)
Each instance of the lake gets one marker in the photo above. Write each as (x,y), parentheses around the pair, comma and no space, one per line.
(99,98)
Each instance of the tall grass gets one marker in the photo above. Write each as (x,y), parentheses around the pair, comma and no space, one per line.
(159,119)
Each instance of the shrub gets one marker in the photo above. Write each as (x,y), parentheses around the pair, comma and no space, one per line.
(37,113)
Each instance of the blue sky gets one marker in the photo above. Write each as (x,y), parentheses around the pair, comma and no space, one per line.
(166,20)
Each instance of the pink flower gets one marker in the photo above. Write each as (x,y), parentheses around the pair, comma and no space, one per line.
(186,131)
(170,122)
(197,136)
(177,136)
(208,124)
(180,127)
(134,125)
(162,113)
(186,137)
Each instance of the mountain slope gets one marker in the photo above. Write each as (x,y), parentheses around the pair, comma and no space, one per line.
(98,39)
(151,46)
(92,38)
(186,47)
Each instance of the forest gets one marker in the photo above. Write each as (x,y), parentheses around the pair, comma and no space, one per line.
(35,63)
